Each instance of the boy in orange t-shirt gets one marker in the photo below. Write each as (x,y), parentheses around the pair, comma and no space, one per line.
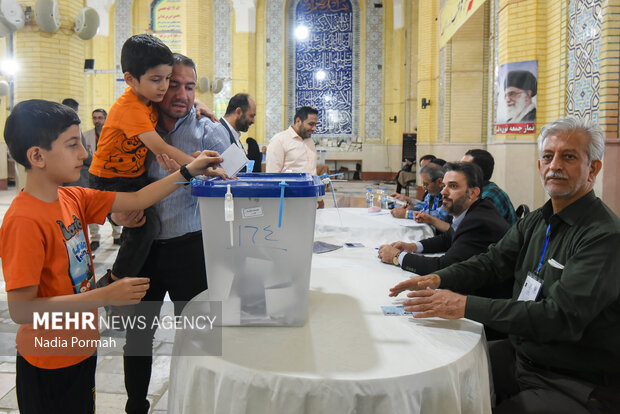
(128,135)
(46,259)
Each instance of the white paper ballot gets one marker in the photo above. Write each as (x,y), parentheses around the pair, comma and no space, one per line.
(234,160)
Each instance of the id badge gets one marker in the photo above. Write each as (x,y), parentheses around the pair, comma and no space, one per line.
(531,287)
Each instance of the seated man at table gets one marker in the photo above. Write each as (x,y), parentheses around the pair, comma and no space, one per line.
(563,355)
(432,180)
(490,190)
(476,224)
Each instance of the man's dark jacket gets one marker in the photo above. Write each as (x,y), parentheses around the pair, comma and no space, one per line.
(481,226)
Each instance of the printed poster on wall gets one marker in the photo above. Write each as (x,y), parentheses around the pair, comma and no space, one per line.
(167,22)
(516,98)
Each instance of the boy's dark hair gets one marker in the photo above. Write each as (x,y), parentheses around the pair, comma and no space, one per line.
(71,103)
(484,160)
(36,123)
(303,112)
(100,110)
(143,52)
(240,100)
(472,172)
(180,59)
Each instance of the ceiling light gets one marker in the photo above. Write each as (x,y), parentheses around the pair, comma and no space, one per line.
(301,32)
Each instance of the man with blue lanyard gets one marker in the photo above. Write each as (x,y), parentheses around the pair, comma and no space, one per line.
(432,181)
(563,320)
(176,261)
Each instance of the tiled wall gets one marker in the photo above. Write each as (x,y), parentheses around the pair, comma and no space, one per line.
(584,50)
(374,70)
(609,118)
(122,20)
(274,82)
(223,44)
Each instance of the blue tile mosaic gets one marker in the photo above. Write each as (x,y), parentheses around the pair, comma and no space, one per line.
(324,67)
(585,18)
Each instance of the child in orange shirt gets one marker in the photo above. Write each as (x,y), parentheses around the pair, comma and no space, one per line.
(127,136)
(46,258)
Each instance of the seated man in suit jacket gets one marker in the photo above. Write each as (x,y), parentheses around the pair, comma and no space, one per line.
(476,225)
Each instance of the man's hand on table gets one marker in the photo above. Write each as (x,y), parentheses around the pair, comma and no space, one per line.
(417,283)
(388,252)
(405,247)
(399,212)
(428,301)
(439,303)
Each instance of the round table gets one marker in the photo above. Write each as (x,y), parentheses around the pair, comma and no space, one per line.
(357,225)
(348,358)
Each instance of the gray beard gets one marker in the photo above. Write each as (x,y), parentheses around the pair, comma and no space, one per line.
(514,110)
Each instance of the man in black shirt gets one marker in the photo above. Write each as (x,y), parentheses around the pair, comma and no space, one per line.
(563,355)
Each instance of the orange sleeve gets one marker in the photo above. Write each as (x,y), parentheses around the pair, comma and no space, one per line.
(23,253)
(95,204)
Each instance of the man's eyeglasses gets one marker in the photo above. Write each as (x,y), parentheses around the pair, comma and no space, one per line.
(512,94)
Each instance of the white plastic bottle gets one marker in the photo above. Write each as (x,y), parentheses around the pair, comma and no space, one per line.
(384,199)
(369,198)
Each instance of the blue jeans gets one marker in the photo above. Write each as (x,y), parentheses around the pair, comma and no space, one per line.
(135,242)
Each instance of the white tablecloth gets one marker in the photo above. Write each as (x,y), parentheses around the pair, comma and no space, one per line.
(356,225)
(348,358)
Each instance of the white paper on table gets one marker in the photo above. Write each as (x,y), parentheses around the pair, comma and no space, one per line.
(234,160)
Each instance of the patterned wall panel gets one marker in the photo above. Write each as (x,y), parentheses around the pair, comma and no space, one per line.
(609,118)
(122,25)
(492,79)
(584,50)
(374,73)
(223,52)
(223,39)
(275,80)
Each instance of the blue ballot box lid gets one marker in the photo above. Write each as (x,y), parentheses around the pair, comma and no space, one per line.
(261,185)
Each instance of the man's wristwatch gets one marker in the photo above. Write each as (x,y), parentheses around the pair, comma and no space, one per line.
(395,260)
(185,173)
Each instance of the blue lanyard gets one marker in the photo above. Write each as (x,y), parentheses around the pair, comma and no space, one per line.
(542,257)
(434,205)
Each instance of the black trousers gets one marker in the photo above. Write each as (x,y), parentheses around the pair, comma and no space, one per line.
(176,267)
(56,391)
(522,388)
(135,242)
